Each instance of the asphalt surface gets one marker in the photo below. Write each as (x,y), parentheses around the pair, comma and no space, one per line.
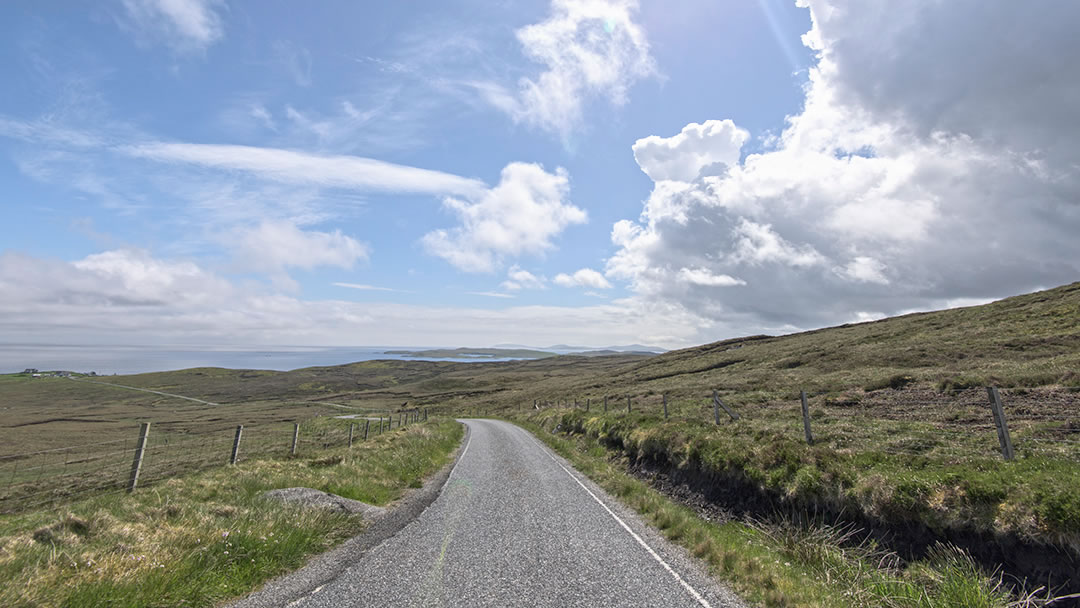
(516,526)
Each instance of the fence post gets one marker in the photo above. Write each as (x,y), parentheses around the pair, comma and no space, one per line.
(136,464)
(295,438)
(718,403)
(806,418)
(665,406)
(1002,424)
(628,404)
(588,402)
(236,445)
(575,404)
(351,425)
(605,404)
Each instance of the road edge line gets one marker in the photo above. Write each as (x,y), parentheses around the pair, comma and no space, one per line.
(656,556)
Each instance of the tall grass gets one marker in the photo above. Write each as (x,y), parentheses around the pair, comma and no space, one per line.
(203,538)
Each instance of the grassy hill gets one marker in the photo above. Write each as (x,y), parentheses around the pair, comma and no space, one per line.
(904,441)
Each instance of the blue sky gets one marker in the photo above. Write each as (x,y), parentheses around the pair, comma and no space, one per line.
(577,171)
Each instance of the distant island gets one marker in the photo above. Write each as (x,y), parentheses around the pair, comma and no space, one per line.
(474,353)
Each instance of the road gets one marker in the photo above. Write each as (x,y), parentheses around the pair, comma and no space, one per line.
(516,526)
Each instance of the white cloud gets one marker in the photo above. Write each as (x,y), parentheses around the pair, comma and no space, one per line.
(187,24)
(865,269)
(275,245)
(712,147)
(589,48)
(586,277)
(518,278)
(491,294)
(704,277)
(128,297)
(759,243)
(519,216)
(261,114)
(363,287)
(923,169)
(303,168)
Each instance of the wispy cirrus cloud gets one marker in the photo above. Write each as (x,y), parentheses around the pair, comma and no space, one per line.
(186,25)
(354,172)
(363,287)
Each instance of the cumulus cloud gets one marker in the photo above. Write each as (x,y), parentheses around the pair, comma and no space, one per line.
(519,216)
(275,245)
(703,276)
(591,48)
(710,147)
(186,24)
(586,277)
(518,278)
(932,162)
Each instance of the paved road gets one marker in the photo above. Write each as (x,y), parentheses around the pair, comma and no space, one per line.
(515,526)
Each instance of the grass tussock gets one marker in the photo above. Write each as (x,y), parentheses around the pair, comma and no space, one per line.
(787,564)
(898,475)
(203,538)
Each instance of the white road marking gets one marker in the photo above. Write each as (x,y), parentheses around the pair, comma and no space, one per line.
(468,442)
(697,596)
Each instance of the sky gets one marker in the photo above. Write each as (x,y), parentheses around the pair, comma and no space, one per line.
(467,172)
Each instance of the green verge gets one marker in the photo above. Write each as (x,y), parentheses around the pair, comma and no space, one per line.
(204,538)
(781,564)
(1032,497)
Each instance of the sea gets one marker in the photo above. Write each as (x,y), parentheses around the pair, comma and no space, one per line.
(109,360)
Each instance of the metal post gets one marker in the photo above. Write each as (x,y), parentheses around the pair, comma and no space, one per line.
(806,419)
(1002,424)
(136,464)
(366,423)
(665,406)
(236,445)
(351,425)
(295,437)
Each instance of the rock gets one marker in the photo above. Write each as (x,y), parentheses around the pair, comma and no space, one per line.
(310,497)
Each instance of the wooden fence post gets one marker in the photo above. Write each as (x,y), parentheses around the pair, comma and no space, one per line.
(605,404)
(236,445)
(295,438)
(587,403)
(665,405)
(136,464)
(351,426)
(1000,422)
(806,418)
(628,404)
(717,404)
(366,423)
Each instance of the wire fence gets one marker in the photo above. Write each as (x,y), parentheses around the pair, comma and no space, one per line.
(34,480)
(953,426)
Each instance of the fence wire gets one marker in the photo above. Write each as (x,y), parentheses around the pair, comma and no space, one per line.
(38,479)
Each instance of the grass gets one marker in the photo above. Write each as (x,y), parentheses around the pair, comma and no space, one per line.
(782,563)
(902,431)
(939,485)
(200,539)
